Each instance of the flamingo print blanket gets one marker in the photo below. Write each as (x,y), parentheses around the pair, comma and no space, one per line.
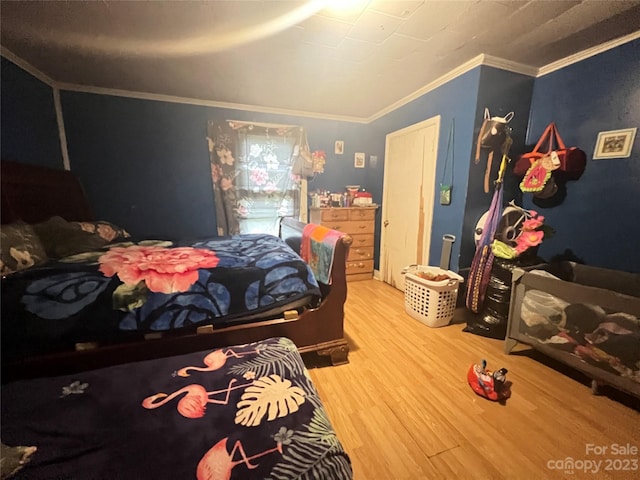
(240,412)
(125,290)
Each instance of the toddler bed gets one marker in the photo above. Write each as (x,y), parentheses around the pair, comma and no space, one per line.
(92,296)
(240,412)
(583,316)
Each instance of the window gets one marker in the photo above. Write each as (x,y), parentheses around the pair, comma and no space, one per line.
(256,175)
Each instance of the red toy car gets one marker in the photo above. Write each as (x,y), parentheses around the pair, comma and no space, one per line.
(491,385)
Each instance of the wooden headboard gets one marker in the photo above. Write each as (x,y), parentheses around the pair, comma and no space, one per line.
(33,194)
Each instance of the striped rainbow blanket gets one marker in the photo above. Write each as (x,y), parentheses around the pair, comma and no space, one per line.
(317,249)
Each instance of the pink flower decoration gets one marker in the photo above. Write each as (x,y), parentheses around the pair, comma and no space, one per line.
(259,176)
(533,223)
(226,184)
(216,173)
(529,239)
(164,270)
(295,178)
(270,188)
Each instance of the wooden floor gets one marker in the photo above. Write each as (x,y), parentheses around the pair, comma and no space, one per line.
(403,409)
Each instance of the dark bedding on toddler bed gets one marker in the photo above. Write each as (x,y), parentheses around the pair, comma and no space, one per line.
(125,290)
(240,412)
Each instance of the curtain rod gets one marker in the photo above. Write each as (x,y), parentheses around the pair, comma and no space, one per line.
(265,125)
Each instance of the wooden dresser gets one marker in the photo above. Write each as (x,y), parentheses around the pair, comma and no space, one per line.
(359,222)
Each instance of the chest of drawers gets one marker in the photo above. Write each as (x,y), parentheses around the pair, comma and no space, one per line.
(359,222)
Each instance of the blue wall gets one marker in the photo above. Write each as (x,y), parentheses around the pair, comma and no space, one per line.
(454,100)
(145,164)
(28,124)
(464,99)
(502,92)
(598,220)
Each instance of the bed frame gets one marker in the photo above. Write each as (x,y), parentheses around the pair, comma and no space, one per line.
(33,194)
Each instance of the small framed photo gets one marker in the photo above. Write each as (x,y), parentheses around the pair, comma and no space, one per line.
(614,143)
(359,160)
(339,148)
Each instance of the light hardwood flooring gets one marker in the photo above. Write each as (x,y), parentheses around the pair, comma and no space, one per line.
(403,409)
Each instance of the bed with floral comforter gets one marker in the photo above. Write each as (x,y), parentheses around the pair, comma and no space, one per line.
(130,289)
(241,412)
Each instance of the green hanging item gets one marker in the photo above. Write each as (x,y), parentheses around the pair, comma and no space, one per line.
(445,187)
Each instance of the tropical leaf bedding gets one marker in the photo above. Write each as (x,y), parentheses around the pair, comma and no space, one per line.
(240,412)
(124,290)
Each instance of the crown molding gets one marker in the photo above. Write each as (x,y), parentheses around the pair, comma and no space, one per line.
(477,61)
(584,54)
(73,87)
(203,103)
(27,67)
(438,82)
(515,67)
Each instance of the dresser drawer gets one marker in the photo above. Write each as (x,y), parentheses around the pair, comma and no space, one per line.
(363,240)
(362,213)
(352,228)
(360,266)
(332,215)
(360,253)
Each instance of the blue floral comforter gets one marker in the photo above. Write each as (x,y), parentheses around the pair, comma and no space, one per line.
(129,289)
(240,412)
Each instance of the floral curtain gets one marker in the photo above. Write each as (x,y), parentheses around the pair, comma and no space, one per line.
(255,170)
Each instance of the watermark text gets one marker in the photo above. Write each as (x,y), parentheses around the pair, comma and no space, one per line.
(608,458)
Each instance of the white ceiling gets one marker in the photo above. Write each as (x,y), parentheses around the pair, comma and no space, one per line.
(295,55)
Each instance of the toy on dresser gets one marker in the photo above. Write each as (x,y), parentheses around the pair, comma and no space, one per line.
(362,198)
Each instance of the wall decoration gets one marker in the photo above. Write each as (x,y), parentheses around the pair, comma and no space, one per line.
(319,159)
(339,148)
(359,160)
(614,143)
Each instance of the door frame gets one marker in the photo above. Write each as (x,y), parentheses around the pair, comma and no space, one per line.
(429,202)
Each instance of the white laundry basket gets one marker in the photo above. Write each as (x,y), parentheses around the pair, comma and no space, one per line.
(432,303)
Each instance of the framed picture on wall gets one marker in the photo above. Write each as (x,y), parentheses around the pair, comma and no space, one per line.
(614,144)
(339,147)
(359,160)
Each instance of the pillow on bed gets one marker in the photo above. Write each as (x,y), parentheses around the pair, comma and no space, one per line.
(12,459)
(107,231)
(20,248)
(62,238)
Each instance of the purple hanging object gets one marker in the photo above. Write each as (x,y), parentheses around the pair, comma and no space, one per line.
(483,258)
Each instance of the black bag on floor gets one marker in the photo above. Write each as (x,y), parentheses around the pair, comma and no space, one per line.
(492,320)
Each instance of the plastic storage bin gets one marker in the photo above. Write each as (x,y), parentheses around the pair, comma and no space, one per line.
(430,302)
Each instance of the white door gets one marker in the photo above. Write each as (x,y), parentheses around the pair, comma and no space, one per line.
(408,193)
